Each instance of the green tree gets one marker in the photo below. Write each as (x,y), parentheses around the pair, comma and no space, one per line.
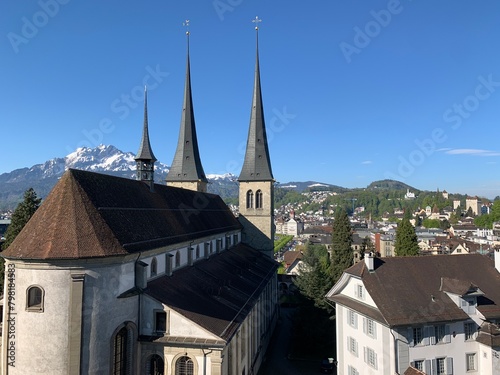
(406,243)
(23,212)
(431,223)
(342,254)
(313,280)
(21,215)
(367,246)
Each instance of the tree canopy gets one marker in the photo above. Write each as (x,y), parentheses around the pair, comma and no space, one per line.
(23,212)
(406,243)
(342,255)
(314,281)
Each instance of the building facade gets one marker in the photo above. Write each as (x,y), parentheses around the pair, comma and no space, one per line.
(436,314)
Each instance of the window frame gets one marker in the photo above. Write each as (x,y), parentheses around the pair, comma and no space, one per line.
(474,362)
(470,331)
(31,306)
(156,314)
(153,268)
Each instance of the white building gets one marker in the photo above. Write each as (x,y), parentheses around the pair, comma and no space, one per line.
(437,314)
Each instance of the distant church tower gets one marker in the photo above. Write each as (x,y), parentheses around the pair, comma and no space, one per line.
(186,170)
(145,158)
(256,198)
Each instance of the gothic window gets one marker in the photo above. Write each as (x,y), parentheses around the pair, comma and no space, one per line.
(34,298)
(120,352)
(123,350)
(154,267)
(258,199)
(249,199)
(155,365)
(184,366)
(177,259)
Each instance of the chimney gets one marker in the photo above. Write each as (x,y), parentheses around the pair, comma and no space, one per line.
(369,262)
(497,259)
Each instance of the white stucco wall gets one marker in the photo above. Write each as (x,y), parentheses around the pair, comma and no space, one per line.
(33,331)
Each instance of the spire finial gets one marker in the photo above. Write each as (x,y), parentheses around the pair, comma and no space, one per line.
(256,21)
(186,25)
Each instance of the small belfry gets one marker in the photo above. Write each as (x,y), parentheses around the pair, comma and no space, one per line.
(187,171)
(256,191)
(145,158)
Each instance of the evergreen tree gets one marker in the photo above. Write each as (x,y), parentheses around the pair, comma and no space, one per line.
(406,243)
(367,246)
(313,280)
(342,254)
(20,217)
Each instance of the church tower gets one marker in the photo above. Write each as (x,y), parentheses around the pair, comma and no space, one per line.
(186,170)
(145,158)
(256,195)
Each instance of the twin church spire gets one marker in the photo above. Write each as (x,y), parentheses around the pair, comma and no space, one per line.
(186,170)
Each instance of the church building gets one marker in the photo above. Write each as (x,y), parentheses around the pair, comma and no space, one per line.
(121,276)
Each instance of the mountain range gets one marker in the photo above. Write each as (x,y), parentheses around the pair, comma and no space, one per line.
(110,160)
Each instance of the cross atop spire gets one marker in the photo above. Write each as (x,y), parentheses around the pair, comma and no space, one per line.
(186,25)
(257,20)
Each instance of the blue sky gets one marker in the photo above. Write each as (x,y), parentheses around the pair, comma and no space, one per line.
(353,91)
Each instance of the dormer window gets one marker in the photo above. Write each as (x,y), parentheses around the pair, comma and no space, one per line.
(469,305)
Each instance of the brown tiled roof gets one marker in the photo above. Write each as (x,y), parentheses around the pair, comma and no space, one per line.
(291,256)
(413,371)
(217,293)
(489,334)
(406,290)
(90,215)
(457,286)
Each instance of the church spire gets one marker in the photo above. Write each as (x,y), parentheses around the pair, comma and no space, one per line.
(145,158)
(257,164)
(186,170)
(256,182)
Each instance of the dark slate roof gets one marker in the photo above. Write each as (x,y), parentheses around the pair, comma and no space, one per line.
(457,286)
(407,290)
(90,215)
(145,152)
(257,164)
(217,293)
(187,163)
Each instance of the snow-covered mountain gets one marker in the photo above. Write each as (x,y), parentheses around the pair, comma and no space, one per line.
(104,159)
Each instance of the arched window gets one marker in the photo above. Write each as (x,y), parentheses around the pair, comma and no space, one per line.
(155,365)
(34,298)
(123,349)
(249,199)
(120,352)
(184,366)
(178,259)
(154,267)
(258,199)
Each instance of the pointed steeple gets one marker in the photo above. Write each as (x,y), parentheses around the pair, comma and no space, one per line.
(256,182)
(145,158)
(186,170)
(257,164)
